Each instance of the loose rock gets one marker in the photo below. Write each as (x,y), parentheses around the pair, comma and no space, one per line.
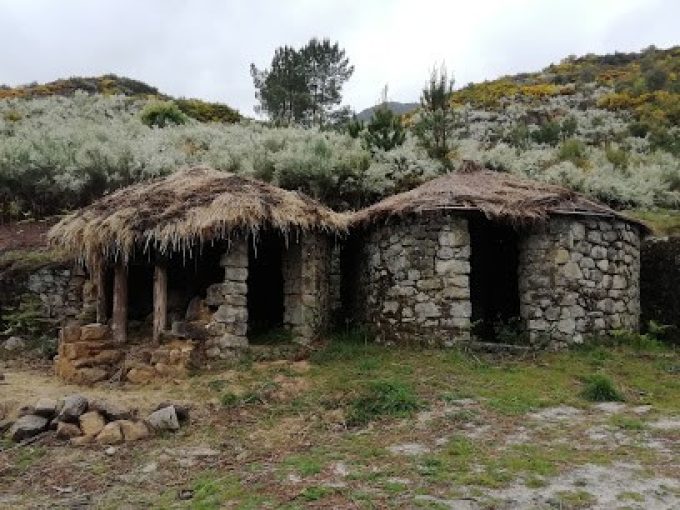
(74,406)
(133,430)
(46,407)
(67,430)
(164,419)
(92,423)
(110,411)
(14,343)
(27,426)
(110,434)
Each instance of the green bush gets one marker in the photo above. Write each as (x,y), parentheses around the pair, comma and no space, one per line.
(600,388)
(573,150)
(548,133)
(162,113)
(382,398)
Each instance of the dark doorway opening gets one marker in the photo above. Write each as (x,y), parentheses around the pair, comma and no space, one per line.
(190,276)
(494,285)
(265,283)
(140,291)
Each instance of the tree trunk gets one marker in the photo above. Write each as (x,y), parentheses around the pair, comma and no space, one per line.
(160,301)
(120,303)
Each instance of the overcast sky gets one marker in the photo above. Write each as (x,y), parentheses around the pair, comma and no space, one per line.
(203,48)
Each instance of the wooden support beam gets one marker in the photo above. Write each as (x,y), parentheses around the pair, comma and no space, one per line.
(120,302)
(160,301)
(99,277)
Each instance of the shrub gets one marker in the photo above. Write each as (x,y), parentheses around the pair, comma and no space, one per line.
(382,398)
(162,113)
(600,388)
(573,150)
(548,133)
(617,157)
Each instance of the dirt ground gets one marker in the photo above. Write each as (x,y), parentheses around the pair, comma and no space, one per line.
(488,433)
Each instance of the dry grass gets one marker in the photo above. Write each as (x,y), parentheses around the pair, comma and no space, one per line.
(194,205)
(498,195)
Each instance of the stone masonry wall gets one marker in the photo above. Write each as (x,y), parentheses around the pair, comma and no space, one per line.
(416,280)
(229,325)
(307,285)
(579,278)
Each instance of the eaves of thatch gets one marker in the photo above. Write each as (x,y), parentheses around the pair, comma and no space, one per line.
(190,207)
(499,196)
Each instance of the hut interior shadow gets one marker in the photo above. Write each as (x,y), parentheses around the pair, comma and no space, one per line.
(494,283)
(265,284)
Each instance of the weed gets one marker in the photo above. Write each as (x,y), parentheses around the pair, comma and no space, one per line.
(306,465)
(627,423)
(575,500)
(382,398)
(600,388)
(314,493)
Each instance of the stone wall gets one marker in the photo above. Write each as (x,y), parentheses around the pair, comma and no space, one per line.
(307,285)
(228,328)
(61,292)
(414,280)
(579,278)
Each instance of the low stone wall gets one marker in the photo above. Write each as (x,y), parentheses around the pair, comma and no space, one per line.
(87,354)
(64,292)
(579,278)
(660,281)
(415,276)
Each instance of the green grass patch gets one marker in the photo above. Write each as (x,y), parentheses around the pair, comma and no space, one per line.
(574,500)
(600,388)
(382,398)
(662,221)
(627,423)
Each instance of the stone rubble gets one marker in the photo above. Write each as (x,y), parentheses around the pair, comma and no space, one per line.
(83,422)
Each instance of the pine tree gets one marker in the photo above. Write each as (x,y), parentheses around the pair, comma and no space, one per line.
(437,118)
(302,86)
(384,130)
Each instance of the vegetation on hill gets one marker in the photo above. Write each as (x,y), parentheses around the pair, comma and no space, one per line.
(607,126)
(112,85)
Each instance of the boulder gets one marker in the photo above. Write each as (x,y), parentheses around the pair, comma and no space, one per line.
(110,411)
(14,343)
(141,375)
(46,407)
(67,430)
(94,331)
(182,411)
(110,434)
(92,423)
(92,375)
(73,407)
(164,419)
(27,426)
(133,430)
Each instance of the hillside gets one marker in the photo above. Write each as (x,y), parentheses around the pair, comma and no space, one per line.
(607,126)
(112,85)
(396,107)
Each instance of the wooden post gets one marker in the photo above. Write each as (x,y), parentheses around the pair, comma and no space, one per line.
(160,301)
(120,302)
(100,285)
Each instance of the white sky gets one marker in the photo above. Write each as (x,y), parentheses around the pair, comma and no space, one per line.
(203,48)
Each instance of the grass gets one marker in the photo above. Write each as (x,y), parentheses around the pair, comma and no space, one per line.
(600,388)
(382,398)
(662,221)
(575,500)
(377,391)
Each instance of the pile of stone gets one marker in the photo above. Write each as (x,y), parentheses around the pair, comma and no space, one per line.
(173,360)
(82,421)
(87,354)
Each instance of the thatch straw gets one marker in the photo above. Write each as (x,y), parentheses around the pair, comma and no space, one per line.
(499,196)
(192,206)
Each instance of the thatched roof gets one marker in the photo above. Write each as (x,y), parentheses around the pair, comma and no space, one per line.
(497,195)
(193,205)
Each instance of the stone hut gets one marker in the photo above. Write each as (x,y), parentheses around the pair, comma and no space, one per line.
(207,256)
(484,255)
